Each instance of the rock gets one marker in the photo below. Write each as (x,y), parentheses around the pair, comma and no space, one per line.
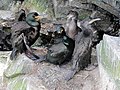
(21,74)
(24,74)
(4,4)
(108,55)
(17,73)
(3,66)
(7,15)
(19,67)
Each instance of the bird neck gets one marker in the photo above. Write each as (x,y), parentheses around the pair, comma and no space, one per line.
(68,42)
(33,24)
(74,20)
(65,41)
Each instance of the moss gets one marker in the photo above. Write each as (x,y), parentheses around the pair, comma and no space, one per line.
(39,5)
(18,83)
(83,14)
(14,70)
(42,6)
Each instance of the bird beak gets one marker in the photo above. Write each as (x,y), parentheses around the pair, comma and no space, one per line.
(60,31)
(37,18)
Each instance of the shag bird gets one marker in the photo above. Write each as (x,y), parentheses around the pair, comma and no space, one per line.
(71,24)
(24,34)
(83,48)
(61,51)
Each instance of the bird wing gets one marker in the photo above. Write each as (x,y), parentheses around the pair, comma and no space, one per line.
(20,26)
(18,29)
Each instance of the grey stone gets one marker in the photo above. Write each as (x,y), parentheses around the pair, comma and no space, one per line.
(7,15)
(108,55)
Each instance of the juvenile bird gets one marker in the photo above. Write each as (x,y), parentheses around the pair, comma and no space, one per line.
(61,51)
(71,24)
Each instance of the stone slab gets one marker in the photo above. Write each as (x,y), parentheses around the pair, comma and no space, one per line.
(108,55)
(7,15)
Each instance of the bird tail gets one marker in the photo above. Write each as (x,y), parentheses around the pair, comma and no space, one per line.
(13,54)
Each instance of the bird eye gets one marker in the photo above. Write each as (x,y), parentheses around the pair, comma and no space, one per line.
(35,14)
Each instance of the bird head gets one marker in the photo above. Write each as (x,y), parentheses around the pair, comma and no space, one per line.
(72,15)
(33,19)
(60,32)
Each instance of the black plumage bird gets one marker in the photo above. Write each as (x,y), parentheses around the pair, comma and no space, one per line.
(24,34)
(62,50)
